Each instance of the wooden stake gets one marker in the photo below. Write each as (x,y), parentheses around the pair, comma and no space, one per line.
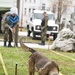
(16,69)
(2,62)
(49,42)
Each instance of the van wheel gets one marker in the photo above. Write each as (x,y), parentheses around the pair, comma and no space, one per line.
(28,32)
(28,27)
(33,35)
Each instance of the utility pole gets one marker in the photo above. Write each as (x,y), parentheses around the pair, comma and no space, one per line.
(74,8)
(18,5)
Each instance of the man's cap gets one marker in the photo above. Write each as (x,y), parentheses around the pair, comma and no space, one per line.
(13,10)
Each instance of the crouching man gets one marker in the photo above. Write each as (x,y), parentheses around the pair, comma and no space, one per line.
(10,23)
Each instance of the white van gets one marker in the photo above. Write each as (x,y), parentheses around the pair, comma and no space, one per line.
(34,24)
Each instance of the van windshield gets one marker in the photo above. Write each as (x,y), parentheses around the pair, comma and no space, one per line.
(40,16)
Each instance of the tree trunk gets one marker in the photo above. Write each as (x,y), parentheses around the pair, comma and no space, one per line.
(59,13)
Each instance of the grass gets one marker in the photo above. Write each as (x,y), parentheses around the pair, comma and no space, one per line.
(22,29)
(12,56)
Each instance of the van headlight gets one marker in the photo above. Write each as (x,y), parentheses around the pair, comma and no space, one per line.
(38,27)
(54,28)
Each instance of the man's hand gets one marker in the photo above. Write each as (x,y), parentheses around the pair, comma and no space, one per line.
(11,29)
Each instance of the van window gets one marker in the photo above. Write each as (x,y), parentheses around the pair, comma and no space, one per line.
(40,16)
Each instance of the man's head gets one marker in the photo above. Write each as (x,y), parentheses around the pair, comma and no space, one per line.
(44,13)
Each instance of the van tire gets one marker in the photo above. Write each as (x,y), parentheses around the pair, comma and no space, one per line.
(33,35)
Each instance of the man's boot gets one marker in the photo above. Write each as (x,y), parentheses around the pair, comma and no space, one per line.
(9,45)
(4,43)
(42,43)
(16,44)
